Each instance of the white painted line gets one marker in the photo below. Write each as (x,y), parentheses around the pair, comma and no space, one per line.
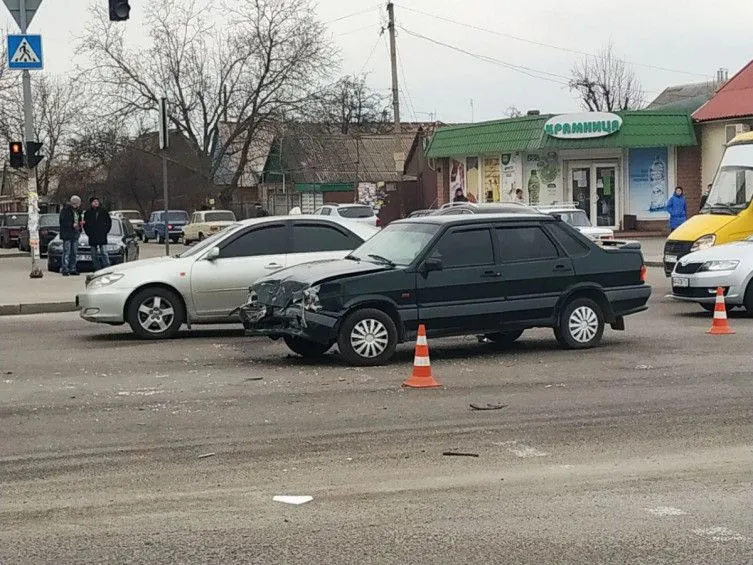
(720,534)
(293,499)
(521,450)
(665,511)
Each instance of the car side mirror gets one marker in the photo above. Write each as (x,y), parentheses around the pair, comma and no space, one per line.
(213,254)
(431,264)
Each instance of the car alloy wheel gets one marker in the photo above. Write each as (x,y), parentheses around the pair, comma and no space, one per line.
(155,313)
(581,324)
(369,338)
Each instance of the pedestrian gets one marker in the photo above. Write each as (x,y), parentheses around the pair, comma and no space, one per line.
(519,196)
(677,208)
(97,224)
(705,196)
(71,224)
(459,197)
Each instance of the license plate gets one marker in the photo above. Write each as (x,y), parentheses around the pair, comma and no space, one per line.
(670,258)
(84,258)
(680,281)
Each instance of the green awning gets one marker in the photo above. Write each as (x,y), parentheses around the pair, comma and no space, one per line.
(639,129)
(324,187)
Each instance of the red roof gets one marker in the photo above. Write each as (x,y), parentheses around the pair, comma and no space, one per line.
(733,100)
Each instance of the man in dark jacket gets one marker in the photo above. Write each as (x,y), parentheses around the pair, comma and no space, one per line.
(70,230)
(97,224)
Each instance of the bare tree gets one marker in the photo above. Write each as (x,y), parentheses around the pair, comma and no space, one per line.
(351,104)
(513,112)
(606,83)
(264,59)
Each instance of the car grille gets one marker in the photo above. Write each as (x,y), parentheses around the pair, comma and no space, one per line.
(689,269)
(678,249)
(695,291)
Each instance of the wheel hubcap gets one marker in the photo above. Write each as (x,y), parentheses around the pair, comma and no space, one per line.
(156,314)
(583,324)
(369,338)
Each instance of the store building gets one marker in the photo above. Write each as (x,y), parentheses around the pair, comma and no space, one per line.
(619,167)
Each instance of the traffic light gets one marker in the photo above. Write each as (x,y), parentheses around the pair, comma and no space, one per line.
(32,159)
(120,10)
(16,154)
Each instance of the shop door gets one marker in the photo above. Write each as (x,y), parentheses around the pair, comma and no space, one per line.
(593,188)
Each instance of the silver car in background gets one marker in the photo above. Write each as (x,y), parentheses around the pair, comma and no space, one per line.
(206,283)
(697,276)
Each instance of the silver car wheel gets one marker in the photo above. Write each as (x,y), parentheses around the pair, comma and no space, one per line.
(583,324)
(156,314)
(369,338)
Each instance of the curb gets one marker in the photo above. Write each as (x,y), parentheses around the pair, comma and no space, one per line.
(37,308)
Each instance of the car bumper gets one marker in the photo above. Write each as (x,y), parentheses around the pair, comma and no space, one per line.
(290,321)
(628,300)
(55,260)
(702,287)
(104,306)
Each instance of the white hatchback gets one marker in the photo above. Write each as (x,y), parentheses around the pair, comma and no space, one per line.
(357,212)
(206,283)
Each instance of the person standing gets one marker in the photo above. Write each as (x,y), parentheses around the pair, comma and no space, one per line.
(677,208)
(70,230)
(97,224)
(705,196)
(459,196)
(519,196)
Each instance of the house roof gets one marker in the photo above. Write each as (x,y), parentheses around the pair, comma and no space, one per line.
(258,151)
(639,129)
(733,100)
(684,97)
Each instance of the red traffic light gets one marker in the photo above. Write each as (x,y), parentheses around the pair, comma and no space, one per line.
(16,154)
(16,147)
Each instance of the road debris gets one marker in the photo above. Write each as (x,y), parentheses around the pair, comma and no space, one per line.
(459,454)
(487,406)
(205,455)
(286,499)
(249,379)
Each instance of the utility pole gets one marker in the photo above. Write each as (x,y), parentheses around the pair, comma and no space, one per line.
(32,197)
(399,157)
(164,142)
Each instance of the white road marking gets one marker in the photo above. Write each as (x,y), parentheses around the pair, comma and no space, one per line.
(665,511)
(719,534)
(138,392)
(521,450)
(293,499)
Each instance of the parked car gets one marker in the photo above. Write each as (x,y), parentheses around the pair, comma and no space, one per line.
(484,208)
(157,227)
(122,247)
(576,217)
(358,212)
(49,226)
(697,276)
(11,224)
(419,213)
(492,275)
(206,283)
(133,216)
(205,223)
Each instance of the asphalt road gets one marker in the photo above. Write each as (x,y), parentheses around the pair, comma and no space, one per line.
(638,452)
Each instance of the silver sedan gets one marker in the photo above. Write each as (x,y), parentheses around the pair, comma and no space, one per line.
(697,276)
(207,282)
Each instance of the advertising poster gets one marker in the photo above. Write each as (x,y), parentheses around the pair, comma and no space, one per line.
(511,175)
(492,177)
(649,184)
(472,179)
(457,178)
(542,178)
(371,195)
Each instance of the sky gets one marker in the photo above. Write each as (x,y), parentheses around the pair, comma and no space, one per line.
(667,42)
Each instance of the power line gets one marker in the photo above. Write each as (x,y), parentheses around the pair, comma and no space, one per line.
(405,86)
(354,14)
(541,44)
(373,50)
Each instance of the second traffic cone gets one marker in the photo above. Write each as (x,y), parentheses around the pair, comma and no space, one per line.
(421,377)
(720,325)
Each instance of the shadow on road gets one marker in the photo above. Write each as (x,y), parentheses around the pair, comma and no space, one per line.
(129,337)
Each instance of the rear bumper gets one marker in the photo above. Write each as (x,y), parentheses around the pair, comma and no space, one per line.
(291,321)
(628,300)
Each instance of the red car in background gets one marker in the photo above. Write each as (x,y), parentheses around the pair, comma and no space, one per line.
(11,224)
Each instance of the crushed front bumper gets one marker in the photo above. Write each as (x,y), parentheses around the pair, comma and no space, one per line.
(262,320)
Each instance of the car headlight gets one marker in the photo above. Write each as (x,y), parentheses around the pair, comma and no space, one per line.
(112,248)
(703,242)
(719,266)
(105,280)
(311,299)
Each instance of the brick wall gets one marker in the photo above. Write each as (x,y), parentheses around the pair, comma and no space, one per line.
(443,180)
(689,176)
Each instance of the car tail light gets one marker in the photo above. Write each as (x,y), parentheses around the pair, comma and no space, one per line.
(378,222)
(169,226)
(42,233)
(644,272)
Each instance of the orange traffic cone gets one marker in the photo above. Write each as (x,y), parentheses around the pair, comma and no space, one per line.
(421,377)
(720,325)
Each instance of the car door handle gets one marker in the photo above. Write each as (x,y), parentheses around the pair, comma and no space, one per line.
(273,266)
(489,274)
(562,267)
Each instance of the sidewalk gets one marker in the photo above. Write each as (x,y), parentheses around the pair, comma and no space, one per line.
(653,250)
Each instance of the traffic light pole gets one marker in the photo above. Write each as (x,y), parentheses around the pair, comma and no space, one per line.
(31,178)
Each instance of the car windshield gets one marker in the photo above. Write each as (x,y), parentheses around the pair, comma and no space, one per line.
(49,221)
(219,217)
(732,190)
(211,241)
(356,212)
(116,229)
(131,214)
(177,216)
(17,219)
(398,244)
(578,218)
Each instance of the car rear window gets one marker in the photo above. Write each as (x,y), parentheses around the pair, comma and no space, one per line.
(574,246)
(17,220)
(133,215)
(356,212)
(49,221)
(177,216)
(219,217)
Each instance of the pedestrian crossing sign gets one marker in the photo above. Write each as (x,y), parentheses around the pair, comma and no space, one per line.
(25,52)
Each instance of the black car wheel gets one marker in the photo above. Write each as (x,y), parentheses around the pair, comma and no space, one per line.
(155,313)
(504,339)
(581,324)
(367,337)
(144,238)
(5,243)
(305,348)
(160,239)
